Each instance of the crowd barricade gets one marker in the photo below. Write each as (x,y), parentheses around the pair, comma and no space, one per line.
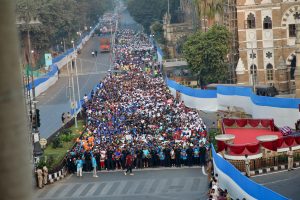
(238,185)
(284,111)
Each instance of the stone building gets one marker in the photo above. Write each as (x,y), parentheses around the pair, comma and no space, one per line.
(184,26)
(267,43)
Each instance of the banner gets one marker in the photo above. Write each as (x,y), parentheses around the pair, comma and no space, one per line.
(48,60)
(238,185)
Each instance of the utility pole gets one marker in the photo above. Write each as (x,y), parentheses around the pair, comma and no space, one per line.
(73,104)
(76,71)
(15,182)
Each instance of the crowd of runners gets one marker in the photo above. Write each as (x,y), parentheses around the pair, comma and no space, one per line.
(132,118)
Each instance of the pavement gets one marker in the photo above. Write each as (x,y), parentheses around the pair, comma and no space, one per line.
(158,184)
(55,100)
(286,183)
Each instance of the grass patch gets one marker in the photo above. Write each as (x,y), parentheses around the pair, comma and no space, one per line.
(56,151)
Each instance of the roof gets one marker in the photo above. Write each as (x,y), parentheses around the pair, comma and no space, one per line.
(175,63)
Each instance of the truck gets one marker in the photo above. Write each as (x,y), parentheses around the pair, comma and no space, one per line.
(104,45)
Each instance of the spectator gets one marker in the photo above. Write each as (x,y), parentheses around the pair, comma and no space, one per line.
(129,161)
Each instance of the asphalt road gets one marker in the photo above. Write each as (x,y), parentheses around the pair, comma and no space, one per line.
(91,70)
(286,183)
(55,101)
(158,184)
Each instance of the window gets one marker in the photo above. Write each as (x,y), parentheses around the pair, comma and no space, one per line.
(293,67)
(253,70)
(292,30)
(251,21)
(269,72)
(267,22)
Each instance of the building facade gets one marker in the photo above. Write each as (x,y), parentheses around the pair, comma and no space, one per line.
(184,27)
(267,43)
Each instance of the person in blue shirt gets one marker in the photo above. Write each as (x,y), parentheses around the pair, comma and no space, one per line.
(196,155)
(162,158)
(183,156)
(146,157)
(79,166)
(94,165)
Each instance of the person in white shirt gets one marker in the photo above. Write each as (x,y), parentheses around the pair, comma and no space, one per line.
(290,155)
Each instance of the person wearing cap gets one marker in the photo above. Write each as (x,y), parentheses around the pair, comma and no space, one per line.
(290,154)
(247,166)
(45,175)
(39,173)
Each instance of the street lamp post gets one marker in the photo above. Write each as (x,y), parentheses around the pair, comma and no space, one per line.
(76,71)
(73,86)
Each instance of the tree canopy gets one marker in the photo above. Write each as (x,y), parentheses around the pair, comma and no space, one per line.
(146,12)
(206,53)
(60,20)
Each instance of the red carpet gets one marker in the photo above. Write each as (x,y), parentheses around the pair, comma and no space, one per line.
(248,135)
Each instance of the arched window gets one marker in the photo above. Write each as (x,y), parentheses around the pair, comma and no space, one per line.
(253,70)
(269,72)
(251,21)
(267,22)
(292,30)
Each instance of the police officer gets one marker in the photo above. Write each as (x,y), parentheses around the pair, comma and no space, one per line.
(247,166)
(45,174)
(290,155)
(39,173)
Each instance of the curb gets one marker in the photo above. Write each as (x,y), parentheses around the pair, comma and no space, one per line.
(273,169)
(57,175)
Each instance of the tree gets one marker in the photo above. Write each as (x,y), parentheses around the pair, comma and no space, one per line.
(208,9)
(206,52)
(158,32)
(146,12)
(60,20)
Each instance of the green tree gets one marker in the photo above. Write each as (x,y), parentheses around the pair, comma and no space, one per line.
(158,32)
(146,12)
(208,9)
(60,20)
(206,52)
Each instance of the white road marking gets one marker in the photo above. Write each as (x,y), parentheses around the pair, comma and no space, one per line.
(278,181)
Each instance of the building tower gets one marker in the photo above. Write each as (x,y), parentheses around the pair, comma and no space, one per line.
(297,71)
(267,43)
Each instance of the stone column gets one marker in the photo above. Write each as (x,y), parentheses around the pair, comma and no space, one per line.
(297,71)
(15,173)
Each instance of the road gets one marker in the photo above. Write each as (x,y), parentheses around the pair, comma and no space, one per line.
(54,101)
(158,184)
(286,183)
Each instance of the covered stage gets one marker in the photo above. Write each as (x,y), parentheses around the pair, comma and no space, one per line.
(250,136)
